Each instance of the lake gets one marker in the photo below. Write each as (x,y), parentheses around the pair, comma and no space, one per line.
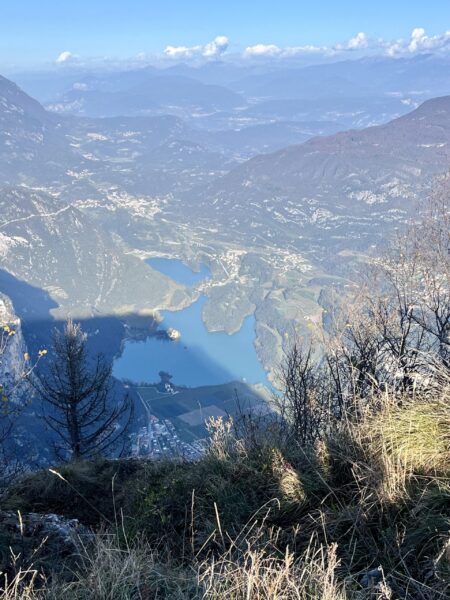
(178,271)
(200,357)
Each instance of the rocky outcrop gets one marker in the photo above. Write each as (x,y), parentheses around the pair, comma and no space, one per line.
(12,350)
(47,543)
(12,345)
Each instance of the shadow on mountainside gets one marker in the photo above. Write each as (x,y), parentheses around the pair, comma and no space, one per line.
(106,335)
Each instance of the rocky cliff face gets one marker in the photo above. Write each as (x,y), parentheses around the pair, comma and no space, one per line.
(12,349)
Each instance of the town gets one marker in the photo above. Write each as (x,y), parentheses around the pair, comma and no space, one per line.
(159,439)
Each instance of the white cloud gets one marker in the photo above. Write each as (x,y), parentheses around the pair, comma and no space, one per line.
(418,38)
(213,49)
(182,51)
(263,50)
(273,50)
(418,42)
(308,49)
(65,57)
(393,48)
(216,47)
(358,42)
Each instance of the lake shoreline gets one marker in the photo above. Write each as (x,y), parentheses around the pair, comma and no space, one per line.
(198,356)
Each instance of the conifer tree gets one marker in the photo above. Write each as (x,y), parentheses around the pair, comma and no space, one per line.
(79,402)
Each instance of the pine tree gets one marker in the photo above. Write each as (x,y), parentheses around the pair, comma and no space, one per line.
(79,403)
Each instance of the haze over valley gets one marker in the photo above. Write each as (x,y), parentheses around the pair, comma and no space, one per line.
(213,203)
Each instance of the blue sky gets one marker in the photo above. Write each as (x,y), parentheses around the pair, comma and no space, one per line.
(34,32)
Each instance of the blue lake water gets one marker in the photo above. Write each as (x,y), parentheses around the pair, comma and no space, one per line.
(178,271)
(198,358)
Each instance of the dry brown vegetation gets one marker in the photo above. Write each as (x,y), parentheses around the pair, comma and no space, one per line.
(253,520)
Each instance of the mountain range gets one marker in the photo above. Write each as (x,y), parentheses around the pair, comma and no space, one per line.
(85,199)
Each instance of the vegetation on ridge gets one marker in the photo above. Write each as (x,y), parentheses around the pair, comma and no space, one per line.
(255,519)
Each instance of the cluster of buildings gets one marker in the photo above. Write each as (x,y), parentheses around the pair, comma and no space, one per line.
(159,439)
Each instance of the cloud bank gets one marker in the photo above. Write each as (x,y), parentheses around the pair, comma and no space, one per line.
(418,42)
(211,50)
(360,44)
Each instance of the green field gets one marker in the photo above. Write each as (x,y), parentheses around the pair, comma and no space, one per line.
(226,399)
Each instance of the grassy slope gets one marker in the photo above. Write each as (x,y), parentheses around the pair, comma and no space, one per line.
(276,518)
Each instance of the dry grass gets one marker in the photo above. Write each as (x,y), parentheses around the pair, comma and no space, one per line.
(114,572)
(247,571)
(23,586)
(418,436)
(254,520)
(260,575)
